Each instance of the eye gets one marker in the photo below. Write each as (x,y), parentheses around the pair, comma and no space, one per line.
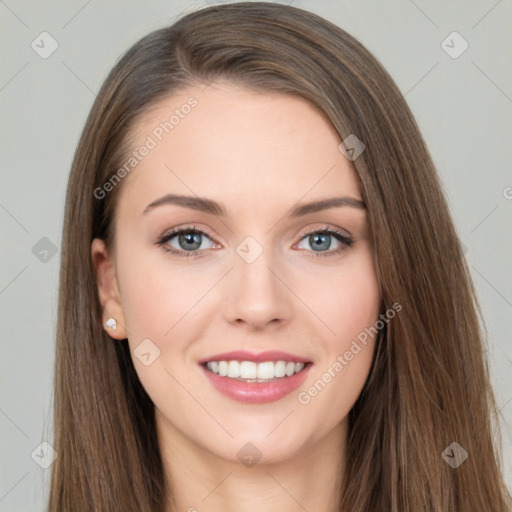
(188,241)
(320,241)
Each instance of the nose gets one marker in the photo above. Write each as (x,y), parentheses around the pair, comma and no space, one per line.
(256,294)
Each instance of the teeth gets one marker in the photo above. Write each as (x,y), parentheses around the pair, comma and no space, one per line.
(249,370)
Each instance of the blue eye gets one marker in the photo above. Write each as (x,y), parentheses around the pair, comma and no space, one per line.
(321,241)
(190,241)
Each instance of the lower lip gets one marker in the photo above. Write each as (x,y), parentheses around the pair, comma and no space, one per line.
(257,392)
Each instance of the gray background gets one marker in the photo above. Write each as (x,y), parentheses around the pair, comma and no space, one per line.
(463,106)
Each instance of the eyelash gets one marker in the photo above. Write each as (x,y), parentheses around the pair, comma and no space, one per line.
(344,239)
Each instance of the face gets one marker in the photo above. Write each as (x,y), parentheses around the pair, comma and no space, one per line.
(253,270)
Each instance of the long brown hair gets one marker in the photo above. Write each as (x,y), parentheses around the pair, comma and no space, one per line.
(429,385)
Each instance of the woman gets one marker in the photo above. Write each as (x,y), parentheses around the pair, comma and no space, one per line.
(319,348)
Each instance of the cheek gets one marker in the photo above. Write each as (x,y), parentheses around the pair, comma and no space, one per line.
(155,296)
(350,301)
(156,300)
(350,308)
(148,305)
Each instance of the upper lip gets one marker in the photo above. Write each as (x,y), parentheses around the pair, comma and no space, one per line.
(260,357)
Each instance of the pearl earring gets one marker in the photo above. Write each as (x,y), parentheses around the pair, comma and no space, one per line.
(111,324)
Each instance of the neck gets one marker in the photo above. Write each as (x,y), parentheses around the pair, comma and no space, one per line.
(201,481)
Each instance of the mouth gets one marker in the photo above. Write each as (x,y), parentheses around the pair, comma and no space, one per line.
(255,378)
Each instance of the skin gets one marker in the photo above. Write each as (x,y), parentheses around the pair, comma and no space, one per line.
(259,155)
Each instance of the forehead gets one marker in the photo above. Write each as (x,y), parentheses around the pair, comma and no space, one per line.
(233,144)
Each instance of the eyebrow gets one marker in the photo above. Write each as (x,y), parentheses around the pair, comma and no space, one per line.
(209,206)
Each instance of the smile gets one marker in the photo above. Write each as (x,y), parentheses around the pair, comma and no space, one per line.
(253,378)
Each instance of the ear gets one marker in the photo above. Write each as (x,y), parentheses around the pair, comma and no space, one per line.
(108,290)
